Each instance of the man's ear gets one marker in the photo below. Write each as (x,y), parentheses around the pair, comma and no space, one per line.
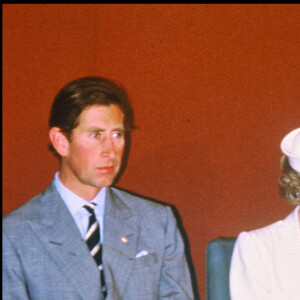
(59,141)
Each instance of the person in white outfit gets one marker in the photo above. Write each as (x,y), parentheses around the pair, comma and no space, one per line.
(265,263)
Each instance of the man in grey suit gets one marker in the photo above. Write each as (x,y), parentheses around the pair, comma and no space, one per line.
(138,251)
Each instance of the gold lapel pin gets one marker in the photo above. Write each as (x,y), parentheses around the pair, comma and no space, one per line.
(124,239)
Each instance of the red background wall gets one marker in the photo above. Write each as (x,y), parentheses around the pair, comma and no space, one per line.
(214,87)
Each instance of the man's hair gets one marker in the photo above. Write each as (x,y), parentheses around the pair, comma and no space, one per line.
(85,92)
(289,182)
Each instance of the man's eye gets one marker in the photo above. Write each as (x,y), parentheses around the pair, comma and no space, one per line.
(94,135)
(118,134)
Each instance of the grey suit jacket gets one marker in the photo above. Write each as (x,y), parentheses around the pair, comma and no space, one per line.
(45,256)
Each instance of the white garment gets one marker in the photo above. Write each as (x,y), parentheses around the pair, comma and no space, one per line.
(265,263)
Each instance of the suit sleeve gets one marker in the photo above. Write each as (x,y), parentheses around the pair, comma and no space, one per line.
(249,278)
(175,282)
(13,283)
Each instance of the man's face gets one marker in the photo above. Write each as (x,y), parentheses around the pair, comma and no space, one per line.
(95,150)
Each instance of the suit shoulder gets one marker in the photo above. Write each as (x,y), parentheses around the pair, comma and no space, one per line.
(22,210)
(135,198)
(152,213)
(141,203)
(27,211)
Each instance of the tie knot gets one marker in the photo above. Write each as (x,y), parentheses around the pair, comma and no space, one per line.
(90,207)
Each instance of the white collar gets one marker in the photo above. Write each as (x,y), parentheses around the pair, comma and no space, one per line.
(75,202)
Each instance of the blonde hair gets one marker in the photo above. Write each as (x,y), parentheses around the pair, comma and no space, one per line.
(289,182)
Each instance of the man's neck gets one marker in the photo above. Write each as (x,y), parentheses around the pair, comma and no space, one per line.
(82,190)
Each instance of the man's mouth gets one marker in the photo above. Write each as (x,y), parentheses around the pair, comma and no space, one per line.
(106,170)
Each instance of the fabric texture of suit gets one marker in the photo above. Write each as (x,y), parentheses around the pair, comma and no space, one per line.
(266,262)
(45,256)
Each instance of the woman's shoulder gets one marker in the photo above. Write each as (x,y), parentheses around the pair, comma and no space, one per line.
(265,238)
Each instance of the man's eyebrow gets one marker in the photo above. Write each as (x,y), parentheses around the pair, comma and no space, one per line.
(119,129)
(96,129)
(93,129)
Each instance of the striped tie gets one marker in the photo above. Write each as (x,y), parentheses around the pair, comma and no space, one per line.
(92,238)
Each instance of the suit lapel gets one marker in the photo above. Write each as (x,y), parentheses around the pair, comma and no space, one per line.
(121,231)
(62,239)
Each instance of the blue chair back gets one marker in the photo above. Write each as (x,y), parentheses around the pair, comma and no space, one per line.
(218,258)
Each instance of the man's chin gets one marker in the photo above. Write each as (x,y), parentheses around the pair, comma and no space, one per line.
(105,183)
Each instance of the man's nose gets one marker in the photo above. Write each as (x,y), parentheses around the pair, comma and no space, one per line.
(108,149)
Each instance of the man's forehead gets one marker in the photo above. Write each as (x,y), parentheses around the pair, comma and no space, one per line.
(102,114)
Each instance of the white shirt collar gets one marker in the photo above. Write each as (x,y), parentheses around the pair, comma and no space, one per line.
(75,202)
